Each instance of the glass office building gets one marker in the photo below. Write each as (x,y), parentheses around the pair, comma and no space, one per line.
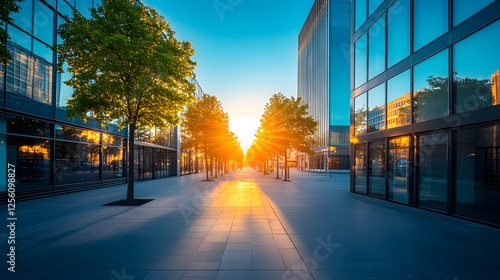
(51,153)
(425,120)
(323,82)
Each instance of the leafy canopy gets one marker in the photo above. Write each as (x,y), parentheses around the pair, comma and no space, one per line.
(127,66)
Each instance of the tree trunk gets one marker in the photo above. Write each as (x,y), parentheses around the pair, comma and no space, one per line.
(277,166)
(206,163)
(287,176)
(216,167)
(131,162)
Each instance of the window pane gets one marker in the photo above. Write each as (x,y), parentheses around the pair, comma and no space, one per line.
(76,163)
(432,174)
(478,173)
(26,126)
(43,23)
(376,167)
(75,134)
(360,117)
(360,169)
(360,13)
(430,85)
(463,9)
(23,18)
(398,32)
(65,9)
(430,21)
(376,52)
(398,169)
(360,60)
(376,108)
(19,37)
(63,91)
(477,70)
(398,100)
(42,50)
(20,72)
(373,5)
(113,162)
(83,7)
(31,156)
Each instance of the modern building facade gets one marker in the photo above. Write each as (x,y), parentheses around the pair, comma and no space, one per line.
(425,120)
(323,82)
(51,153)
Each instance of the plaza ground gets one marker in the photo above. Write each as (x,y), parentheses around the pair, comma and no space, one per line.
(243,225)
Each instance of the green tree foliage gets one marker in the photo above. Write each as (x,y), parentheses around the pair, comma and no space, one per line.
(206,125)
(6,8)
(127,67)
(285,124)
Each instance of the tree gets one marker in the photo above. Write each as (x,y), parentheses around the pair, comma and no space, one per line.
(127,67)
(205,123)
(286,124)
(7,7)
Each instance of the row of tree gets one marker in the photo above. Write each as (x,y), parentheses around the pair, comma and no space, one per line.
(205,129)
(285,125)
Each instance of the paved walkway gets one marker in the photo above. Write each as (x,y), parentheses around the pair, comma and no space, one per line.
(243,226)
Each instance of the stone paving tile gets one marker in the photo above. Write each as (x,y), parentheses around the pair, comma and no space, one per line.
(246,226)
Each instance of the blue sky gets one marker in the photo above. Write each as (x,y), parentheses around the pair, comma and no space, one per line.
(246,50)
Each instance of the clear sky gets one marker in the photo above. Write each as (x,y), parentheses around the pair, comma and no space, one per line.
(246,50)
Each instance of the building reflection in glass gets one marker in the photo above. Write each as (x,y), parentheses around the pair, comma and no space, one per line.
(477,87)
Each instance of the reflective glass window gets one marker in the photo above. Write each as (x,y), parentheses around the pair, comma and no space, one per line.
(64,9)
(29,76)
(360,61)
(432,171)
(373,5)
(60,21)
(376,167)
(360,169)
(43,23)
(76,134)
(42,50)
(476,70)
(83,7)
(463,9)
(112,162)
(360,116)
(31,156)
(478,173)
(63,91)
(398,100)
(430,20)
(376,108)
(51,3)
(26,126)
(398,32)
(19,37)
(23,18)
(76,163)
(360,11)
(376,48)
(398,168)
(430,88)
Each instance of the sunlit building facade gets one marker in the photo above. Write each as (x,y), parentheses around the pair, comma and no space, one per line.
(425,120)
(51,153)
(323,83)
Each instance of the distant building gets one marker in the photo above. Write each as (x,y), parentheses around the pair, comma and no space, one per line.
(323,82)
(425,125)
